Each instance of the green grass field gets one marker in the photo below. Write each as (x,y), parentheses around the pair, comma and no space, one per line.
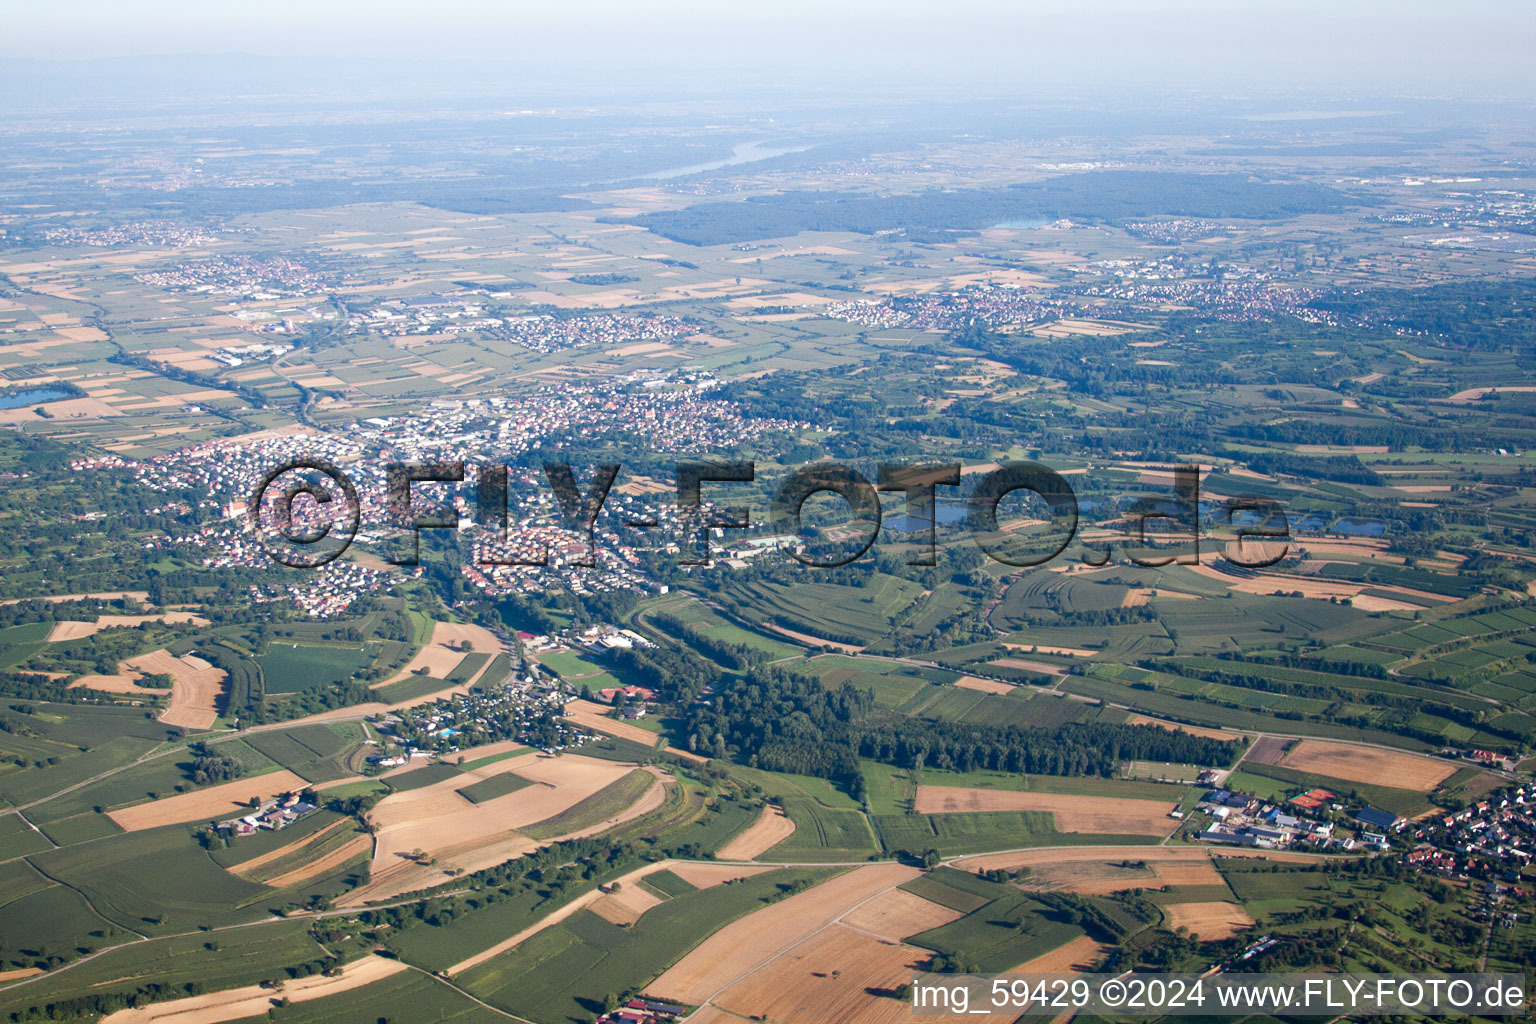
(236,957)
(155,881)
(411,688)
(1000,935)
(289,666)
(595,809)
(493,787)
(823,833)
(408,996)
(965,832)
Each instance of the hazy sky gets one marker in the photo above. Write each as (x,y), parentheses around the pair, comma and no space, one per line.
(1394,44)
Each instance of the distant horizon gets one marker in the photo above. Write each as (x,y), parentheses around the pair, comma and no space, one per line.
(1373,47)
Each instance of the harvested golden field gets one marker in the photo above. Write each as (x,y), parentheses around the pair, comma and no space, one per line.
(1174,872)
(67,409)
(1207,920)
(1070,652)
(1313,587)
(212,803)
(1193,730)
(69,629)
(120,683)
(1091,328)
(1078,955)
(896,914)
(196,686)
(710,1015)
(354,847)
(440,823)
(625,906)
(1116,874)
(772,827)
(1042,859)
(195,696)
(255,1001)
(1045,668)
(1474,394)
(437,661)
(1372,603)
(812,641)
(479,639)
(825,980)
(743,945)
(705,876)
(489,750)
(1096,814)
(594,716)
(1368,764)
(984,685)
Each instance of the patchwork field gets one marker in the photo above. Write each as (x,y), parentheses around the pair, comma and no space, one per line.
(441,824)
(450,642)
(625,906)
(327,862)
(582,902)
(249,867)
(945,712)
(1093,814)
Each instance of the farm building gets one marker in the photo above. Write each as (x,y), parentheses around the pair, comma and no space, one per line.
(1379,819)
